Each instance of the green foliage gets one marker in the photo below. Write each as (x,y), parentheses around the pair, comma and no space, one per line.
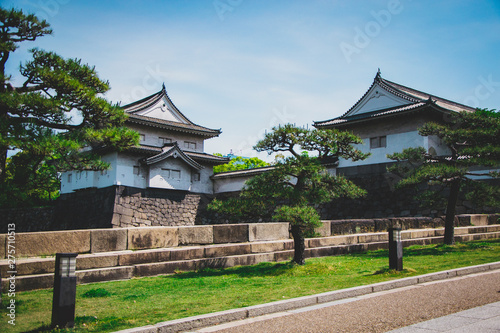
(54,116)
(98,292)
(473,140)
(240,163)
(295,184)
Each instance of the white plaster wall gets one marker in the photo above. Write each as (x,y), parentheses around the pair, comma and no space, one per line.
(159,179)
(86,179)
(152,135)
(395,143)
(125,172)
(229,184)
(205,184)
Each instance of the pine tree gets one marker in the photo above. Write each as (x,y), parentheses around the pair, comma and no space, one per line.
(57,115)
(296,184)
(473,140)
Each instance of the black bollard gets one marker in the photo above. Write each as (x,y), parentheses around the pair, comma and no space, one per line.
(63,302)
(395,249)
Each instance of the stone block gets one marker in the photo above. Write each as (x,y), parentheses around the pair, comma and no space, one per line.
(191,323)
(319,252)
(187,253)
(248,259)
(343,294)
(472,219)
(260,247)
(494,219)
(345,227)
(29,266)
(325,230)
(283,255)
(3,240)
(376,246)
(32,244)
(105,274)
(91,261)
(279,306)
(106,240)
(31,282)
(152,237)
(333,240)
(196,235)
(225,250)
(160,268)
(422,233)
(145,256)
(230,233)
(382,224)
(267,231)
(373,237)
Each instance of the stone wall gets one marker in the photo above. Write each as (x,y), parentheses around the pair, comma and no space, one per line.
(383,200)
(142,208)
(28,219)
(112,207)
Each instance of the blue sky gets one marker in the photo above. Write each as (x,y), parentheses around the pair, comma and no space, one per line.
(248,65)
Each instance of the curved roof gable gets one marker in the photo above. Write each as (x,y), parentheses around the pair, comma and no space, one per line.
(158,110)
(172,150)
(386,97)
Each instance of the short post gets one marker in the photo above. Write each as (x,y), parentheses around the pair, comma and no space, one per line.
(395,249)
(63,302)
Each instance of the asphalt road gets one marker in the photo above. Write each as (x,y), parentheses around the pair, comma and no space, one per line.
(380,312)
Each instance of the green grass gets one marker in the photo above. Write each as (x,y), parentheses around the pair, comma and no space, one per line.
(111,306)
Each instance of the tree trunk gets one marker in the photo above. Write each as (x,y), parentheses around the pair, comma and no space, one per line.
(449,223)
(299,244)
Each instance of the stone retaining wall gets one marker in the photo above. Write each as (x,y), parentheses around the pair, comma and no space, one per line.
(138,238)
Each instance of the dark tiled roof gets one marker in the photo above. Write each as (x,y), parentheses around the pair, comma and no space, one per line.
(196,156)
(204,157)
(186,125)
(172,125)
(171,150)
(417,100)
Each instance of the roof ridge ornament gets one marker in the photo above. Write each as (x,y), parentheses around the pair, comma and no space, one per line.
(379,74)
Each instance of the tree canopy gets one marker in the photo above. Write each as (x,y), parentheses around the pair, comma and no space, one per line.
(57,115)
(240,163)
(473,141)
(289,191)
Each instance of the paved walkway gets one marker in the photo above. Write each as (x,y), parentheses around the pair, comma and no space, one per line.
(484,318)
(408,309)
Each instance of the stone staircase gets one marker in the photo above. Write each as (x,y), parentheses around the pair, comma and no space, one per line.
(38,272)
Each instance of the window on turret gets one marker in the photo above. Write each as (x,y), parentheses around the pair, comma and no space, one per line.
(171,173)
(378,142)
(164,140)
(142,137)
(195,177)
(189,145)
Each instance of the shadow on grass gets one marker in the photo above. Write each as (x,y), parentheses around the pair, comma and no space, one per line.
(261,269)
(432,250)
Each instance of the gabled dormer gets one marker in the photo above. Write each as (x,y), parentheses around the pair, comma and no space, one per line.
(385,98)
(158,111)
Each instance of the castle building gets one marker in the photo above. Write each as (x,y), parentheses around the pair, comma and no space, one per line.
(387,117)
(170,154)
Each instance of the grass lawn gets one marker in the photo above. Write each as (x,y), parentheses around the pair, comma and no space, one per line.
(111,306)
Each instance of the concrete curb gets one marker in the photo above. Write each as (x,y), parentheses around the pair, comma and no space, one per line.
(196,322)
